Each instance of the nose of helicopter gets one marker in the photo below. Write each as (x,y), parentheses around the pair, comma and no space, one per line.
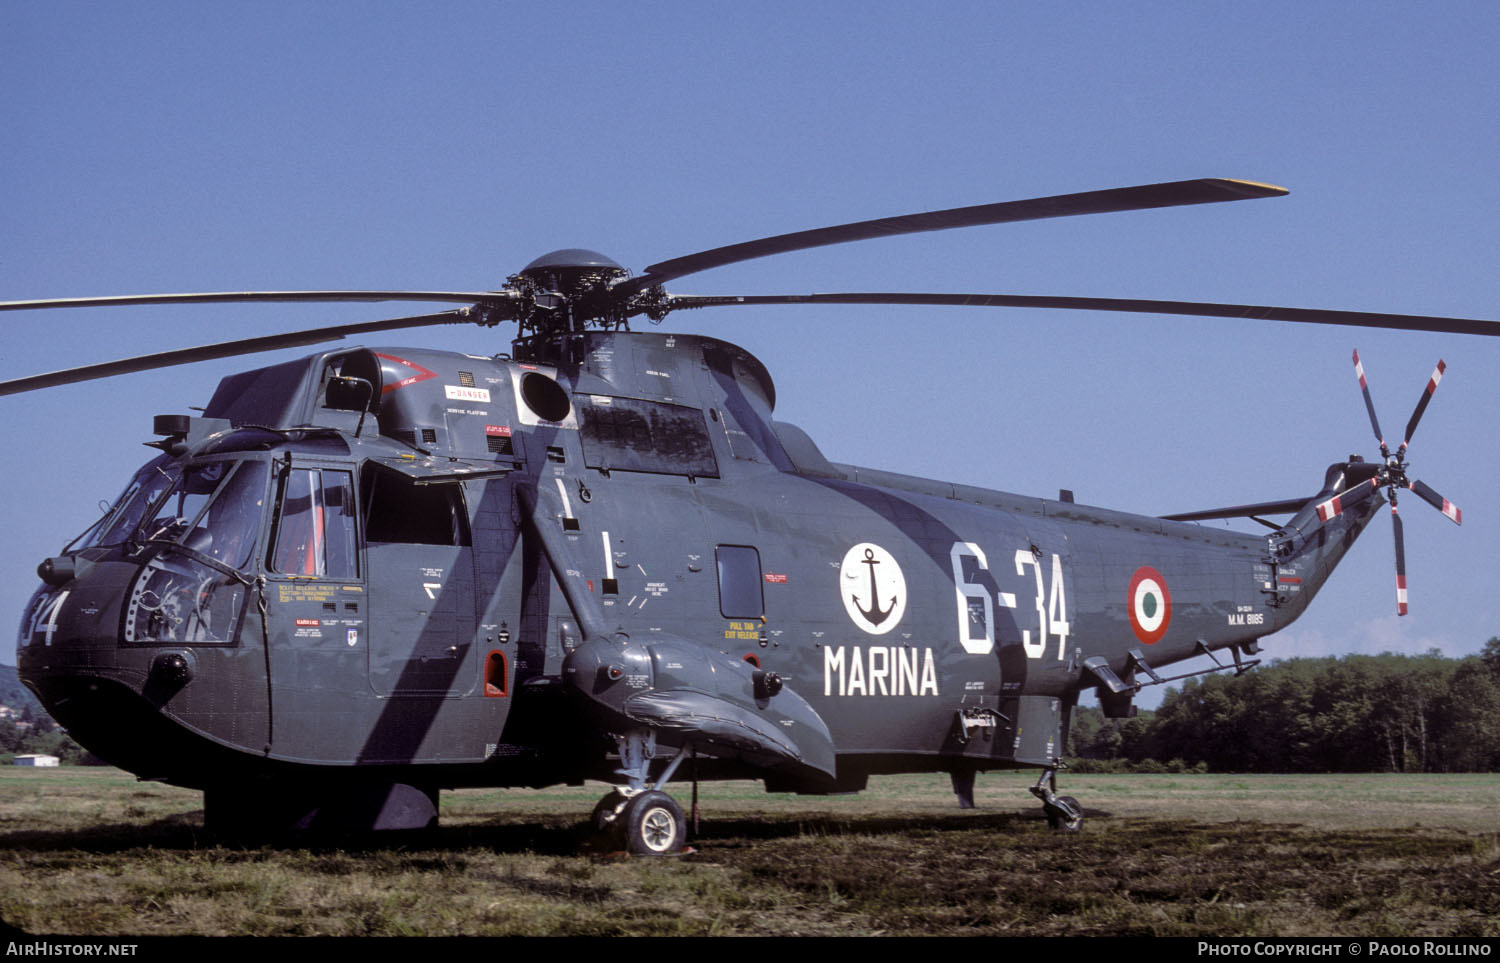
(73,619)
(114,697)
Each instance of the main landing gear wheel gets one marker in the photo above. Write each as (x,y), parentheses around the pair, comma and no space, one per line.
(1066,816)
(653,824)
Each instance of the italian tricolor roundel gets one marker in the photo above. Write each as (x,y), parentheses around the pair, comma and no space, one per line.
(1150,604)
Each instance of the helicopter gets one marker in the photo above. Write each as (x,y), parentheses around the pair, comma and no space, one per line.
(364,576)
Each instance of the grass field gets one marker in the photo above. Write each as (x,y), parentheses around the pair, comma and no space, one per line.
(93,852)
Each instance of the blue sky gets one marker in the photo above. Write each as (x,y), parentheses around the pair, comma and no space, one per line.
(186,147)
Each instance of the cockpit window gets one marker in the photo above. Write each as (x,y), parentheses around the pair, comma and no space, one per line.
(206,527)
(315,528)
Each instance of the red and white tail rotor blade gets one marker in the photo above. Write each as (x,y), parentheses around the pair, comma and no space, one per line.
(1416,416)
(1341,503)
(1359,370)
(1425,492)
(1400,561)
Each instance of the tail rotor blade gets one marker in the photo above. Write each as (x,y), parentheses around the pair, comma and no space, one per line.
(1400,561)
(1416,416)
(1359,370)
(1339,504)
(1425,492)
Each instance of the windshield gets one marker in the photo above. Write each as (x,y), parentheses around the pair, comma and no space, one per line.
(215,509)
(124,516)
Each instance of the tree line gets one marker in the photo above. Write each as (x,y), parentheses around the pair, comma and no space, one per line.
(1357,713)
(36,733)
(27,729)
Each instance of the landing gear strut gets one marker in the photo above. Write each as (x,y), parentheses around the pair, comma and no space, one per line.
(645,819)
(1064,814)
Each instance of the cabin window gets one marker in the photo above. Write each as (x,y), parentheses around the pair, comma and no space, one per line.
(628,434)
(740,595)
(315,526)
(396,510)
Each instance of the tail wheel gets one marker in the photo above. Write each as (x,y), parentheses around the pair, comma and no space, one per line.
(1067,816)
(654,825)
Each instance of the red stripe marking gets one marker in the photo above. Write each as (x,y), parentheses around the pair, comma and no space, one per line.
(423,376)
(315,546)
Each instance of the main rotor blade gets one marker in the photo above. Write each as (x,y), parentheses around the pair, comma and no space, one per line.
(462,297)
(1206,190)
(1203,309)
(227,349)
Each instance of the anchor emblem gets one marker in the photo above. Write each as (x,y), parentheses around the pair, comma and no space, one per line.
(873,613)
(878,576)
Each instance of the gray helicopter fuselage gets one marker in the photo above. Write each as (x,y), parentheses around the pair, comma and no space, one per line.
(478,569)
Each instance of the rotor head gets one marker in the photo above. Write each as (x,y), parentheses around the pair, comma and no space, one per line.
(568,290)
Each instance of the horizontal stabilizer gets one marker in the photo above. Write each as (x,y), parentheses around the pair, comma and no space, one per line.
(1283,507)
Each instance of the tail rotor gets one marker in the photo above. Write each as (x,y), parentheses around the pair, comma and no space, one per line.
(1392,476)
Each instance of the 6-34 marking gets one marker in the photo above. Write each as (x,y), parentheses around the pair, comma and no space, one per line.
(976,608)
